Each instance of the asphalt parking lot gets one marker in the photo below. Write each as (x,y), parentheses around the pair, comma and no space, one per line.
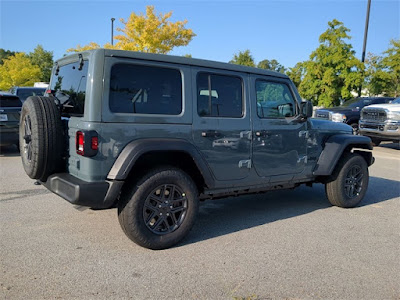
(279,245)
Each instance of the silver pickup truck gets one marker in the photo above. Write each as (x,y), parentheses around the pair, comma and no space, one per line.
(381,122)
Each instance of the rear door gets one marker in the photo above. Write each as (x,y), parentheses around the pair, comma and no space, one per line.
(221,126)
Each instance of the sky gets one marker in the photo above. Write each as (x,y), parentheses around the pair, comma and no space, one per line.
(285,30)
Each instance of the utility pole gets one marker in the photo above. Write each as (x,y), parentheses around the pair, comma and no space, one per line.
(366,31)
(112,31)
(365,39)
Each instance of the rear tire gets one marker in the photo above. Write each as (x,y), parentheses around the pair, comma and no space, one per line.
(41,137)
(350,182)
(160,209)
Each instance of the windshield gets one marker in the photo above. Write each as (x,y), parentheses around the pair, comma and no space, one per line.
(396,101)
(69,87)
(356,102)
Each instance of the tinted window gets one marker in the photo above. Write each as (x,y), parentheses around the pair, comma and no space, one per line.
(380,100)
(25,93)
(69,87)
(356,102)
(274,100)
(145,90)
(359,102)
(219,96)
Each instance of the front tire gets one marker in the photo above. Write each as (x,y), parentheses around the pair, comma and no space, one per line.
(350,182)
(160,209)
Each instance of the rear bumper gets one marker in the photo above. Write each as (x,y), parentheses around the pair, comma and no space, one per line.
(79,192)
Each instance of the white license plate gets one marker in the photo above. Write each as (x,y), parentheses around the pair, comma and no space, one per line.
(3,118)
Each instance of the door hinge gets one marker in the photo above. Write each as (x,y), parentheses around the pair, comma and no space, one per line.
(245,163)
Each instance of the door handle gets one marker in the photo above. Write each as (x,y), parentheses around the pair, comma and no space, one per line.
(262,133)
(210,133)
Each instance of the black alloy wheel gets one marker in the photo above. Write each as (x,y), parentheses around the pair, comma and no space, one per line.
(354,182)
(165,209)
(159,209)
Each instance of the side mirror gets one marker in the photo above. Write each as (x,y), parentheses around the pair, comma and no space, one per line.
(306,109)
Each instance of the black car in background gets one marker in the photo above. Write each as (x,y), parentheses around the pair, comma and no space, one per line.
(10,109)
(26,91)
(349,112)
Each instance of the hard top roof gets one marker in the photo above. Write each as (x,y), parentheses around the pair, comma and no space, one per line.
(181,60)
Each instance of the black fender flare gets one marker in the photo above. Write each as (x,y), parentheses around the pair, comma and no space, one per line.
(132,152)
(333,150)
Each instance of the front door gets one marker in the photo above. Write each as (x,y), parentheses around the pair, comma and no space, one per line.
(221,126)
(279,137)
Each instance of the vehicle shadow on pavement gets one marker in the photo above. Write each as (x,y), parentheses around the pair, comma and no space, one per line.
(11,150)
(395,146)
(20,195)
(226,216)
(381,189)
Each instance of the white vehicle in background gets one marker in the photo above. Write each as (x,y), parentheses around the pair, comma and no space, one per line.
(381,122)
(41,84)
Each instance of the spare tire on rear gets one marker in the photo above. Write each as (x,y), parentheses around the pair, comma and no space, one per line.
(41,137)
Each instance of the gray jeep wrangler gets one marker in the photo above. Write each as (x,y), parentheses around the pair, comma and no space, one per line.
(155,134)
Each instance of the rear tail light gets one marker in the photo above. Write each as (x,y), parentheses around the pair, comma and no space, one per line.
(80,143)
(95,143)
(87,143)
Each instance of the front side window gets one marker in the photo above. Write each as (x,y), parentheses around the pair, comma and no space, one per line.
(69,87)
(274,100)
(219,96)
(145,90)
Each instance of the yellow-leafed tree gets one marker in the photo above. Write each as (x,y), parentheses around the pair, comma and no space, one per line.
(148,33)
(18,70)
(80,48)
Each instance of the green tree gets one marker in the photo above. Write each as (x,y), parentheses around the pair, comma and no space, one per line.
(272,64)
(296,73)
(148,33)
(243,58)
(18,70)
(333,71)
(44,60)
(5,54)
(378,81)
(391,62)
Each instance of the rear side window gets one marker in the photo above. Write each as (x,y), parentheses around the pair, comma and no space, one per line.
(219,96)
(69,87)
(10,101)
(145,90)
(274,100)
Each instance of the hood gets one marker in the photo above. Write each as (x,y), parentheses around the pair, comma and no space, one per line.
(329,126)
(391,107)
